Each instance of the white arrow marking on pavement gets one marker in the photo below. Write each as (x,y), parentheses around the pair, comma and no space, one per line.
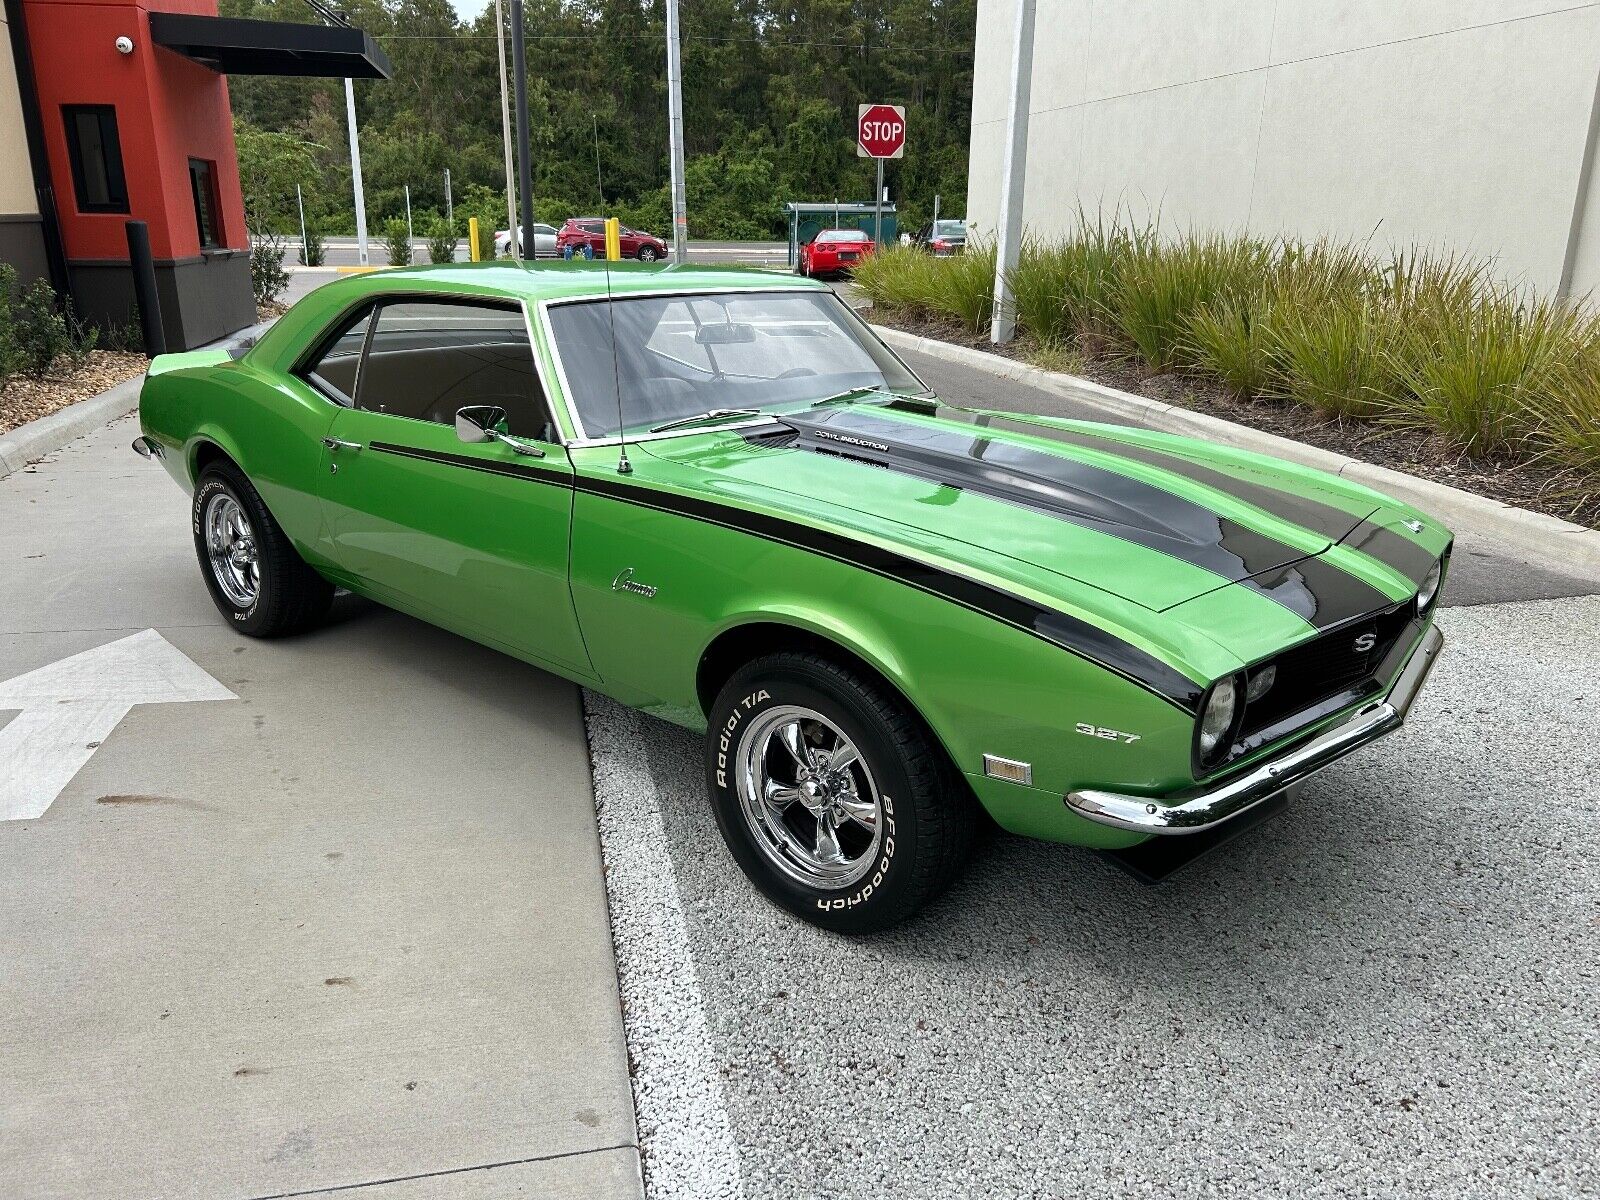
(72,705)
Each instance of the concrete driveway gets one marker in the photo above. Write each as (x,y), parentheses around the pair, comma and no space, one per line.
(345,931)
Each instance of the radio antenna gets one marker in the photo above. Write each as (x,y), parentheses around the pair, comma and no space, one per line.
(624,467)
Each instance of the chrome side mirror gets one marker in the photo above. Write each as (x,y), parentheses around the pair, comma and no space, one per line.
(481,423)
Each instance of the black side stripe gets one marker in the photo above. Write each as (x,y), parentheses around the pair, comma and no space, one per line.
(1059,629)
(1332,523)
(514,469)
(1097,498)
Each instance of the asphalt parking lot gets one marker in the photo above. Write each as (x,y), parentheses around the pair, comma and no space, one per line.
(331,915)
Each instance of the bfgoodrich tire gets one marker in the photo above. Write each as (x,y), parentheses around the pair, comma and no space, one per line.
(255,577)
(832,795)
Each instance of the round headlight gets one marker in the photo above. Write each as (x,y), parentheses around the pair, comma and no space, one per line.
(1216,719)
(1429,591)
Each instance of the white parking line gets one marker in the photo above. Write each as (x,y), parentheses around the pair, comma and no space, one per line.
(685,1138)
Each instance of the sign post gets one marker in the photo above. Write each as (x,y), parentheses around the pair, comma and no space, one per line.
(880,134)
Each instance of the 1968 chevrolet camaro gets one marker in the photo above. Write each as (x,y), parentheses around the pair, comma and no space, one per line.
(716,495)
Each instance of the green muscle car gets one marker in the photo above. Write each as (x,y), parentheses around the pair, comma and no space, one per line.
(717,496)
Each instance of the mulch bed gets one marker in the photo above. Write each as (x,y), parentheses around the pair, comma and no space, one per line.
(23,400)
(1541,488)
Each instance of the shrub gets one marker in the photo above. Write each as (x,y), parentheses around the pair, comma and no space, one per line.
(1562,421)
(39,333)
(268,279)
(964,286)
(1160,287)
(397,240)
(313,253)
(442,241)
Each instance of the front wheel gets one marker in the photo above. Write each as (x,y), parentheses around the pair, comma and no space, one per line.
(256,578)
(832,795)
(648,254)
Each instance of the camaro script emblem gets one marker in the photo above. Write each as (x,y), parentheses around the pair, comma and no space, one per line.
(625,582)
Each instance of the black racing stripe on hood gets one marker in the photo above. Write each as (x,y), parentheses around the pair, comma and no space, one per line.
(1060,629)
(1096,498)
(1393,550)
(1332,523)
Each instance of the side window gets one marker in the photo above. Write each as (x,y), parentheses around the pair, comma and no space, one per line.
(334,371)
(429,358)
(592,227)
(96,155)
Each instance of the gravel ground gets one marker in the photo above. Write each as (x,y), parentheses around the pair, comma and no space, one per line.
(1392,989)
(23,399)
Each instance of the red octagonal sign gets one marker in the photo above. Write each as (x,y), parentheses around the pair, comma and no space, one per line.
(880,131)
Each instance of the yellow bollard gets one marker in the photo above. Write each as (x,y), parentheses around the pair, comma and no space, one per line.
(613,239)
(472,239)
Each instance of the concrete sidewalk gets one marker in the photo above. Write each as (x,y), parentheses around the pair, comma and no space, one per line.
(346,931)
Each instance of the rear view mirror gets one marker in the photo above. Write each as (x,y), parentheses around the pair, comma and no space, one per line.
(731,334)
(479,422)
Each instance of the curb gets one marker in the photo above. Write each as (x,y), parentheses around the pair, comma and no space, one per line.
(1573,545)
(31,442)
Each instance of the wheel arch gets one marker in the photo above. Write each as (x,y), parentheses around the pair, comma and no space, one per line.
(758,635)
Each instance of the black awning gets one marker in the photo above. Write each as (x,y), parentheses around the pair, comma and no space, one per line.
(235,46)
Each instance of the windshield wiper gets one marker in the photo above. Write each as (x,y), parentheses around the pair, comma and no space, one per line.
(855,393)
(715,414)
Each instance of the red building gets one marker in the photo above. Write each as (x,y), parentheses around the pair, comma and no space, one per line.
(125,116)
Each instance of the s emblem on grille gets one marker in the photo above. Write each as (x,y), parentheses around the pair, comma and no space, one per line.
(1364,643)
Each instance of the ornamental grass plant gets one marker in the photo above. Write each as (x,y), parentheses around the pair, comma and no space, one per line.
(1416,340)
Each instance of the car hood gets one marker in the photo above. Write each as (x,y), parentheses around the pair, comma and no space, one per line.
(1061,506)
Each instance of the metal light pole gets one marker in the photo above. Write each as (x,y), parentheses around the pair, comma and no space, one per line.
(680,207)
(505,129)
(935,212)
(355,172)
(1012,175)
(519,67)
(410,232)
(449,205)
(300,202)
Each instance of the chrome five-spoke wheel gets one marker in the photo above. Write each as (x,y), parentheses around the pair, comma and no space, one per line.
(231,549)
(808,797)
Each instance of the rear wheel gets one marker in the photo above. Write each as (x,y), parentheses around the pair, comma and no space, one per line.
(254,575)
(831,794)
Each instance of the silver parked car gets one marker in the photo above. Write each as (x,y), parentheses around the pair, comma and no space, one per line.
(544,241)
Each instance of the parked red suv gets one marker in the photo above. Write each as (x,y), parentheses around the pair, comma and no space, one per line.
(833,250)
(587,236)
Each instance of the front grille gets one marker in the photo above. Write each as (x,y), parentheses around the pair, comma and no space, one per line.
(1325,666)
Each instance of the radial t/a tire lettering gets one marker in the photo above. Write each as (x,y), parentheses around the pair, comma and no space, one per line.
(832,795)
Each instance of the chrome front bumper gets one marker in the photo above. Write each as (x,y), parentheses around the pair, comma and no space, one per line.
(1204,808)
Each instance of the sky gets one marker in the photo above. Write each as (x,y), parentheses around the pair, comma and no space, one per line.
(467,10)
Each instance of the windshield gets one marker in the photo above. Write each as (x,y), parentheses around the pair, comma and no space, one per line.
(677,356)
(842,235)
(949,229)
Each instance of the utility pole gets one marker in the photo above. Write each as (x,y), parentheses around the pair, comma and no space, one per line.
(935,213)
(1013,175)
(410,232)
(355,172)
(519,67)
(300,203)
(680,207)
(515,244)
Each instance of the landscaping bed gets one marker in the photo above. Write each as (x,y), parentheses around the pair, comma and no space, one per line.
(25,399)
(1423,365)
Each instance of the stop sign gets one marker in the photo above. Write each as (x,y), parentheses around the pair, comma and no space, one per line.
(880,131)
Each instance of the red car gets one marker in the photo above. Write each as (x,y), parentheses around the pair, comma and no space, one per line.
(834,250)
(587,236)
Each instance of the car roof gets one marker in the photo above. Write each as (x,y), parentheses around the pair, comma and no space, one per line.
(507,280)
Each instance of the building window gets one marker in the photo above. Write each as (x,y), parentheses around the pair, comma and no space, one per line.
(96,154)
(202,182)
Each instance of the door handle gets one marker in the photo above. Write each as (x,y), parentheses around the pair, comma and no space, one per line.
(333,443)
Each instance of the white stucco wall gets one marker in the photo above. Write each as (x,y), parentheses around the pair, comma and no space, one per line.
(1457,124)
(16,175)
